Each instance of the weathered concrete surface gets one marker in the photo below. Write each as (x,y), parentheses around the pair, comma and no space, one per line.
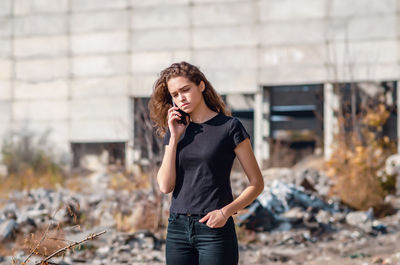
(41,47)
(240,45)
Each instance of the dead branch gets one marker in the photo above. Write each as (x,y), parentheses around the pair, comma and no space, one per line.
(59,239)
(38,245)
(89,237)
(42,239)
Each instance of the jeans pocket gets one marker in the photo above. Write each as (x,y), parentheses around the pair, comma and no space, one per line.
(217,230)
(172,217)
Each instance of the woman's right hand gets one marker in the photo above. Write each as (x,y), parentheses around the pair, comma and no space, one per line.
(176,129)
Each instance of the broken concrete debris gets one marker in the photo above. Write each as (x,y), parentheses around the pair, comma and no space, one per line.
(281,203)
(285,206)
(290,217)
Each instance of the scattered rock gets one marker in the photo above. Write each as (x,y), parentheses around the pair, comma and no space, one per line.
(358,218)
(392,167)
(7,230)
(293,211)
(3,170)
(285,203)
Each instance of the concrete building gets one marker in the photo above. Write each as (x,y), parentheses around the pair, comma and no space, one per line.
(74,67)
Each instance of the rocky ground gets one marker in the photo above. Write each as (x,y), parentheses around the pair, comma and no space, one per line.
(290,223)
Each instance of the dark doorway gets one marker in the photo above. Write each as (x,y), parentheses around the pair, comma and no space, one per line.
(296,122)
(115,152)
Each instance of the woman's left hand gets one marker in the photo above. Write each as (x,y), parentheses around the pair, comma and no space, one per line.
(215,219)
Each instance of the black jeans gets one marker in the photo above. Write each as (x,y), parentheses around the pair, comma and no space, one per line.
(190,242)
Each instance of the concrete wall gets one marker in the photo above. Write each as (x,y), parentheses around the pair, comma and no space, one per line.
(72,65)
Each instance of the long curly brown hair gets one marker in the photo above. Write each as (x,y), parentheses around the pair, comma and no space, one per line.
(161,101)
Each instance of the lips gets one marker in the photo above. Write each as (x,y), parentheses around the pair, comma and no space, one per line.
(184,105)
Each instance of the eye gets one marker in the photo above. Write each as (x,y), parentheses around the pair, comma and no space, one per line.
(174,95)
(186,89)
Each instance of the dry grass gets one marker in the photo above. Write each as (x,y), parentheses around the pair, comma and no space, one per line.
(30,164)
(54,240)
(6,250)
(27,181)
(281,155)
(143,217)
(126,181)
(74,184)
(245,236)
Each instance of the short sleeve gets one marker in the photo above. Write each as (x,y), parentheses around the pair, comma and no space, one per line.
(238,132)
(166,137)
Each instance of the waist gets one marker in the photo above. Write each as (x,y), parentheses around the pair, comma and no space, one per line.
(188,215)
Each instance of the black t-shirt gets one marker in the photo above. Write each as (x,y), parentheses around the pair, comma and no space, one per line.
(204,158)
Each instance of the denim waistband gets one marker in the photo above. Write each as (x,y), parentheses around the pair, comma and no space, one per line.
(189,214)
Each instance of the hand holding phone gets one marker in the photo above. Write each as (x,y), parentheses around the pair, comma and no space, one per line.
(183,117)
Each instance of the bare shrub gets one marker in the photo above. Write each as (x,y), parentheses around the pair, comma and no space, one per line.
(360,152)
(53,240)
(281,154)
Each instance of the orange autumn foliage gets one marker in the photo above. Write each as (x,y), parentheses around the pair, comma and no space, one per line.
(358,158)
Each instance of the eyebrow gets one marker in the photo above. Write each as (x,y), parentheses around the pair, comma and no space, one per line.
(180,88)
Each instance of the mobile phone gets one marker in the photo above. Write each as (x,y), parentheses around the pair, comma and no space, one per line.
(184,114)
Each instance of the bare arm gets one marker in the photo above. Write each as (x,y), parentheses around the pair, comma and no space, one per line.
(248,161)
(166,176)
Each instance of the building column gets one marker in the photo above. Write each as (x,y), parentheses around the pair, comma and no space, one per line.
(129,146)
(261,125)
(258,126)
(331,104)
(398,115)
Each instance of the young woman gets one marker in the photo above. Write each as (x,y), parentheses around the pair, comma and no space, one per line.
(196,166)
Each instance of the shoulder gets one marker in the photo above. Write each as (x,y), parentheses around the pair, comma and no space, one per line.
(229,123)
(225,118)
(232,122)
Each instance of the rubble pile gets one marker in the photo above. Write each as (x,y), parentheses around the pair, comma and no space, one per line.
(286,206)
(141,247)
(292,202)
(25,213)
(293,221)
(294,214)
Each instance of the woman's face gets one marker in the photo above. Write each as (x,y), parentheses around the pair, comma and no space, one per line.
(186,94)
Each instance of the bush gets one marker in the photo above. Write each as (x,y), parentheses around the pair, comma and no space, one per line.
(357,160)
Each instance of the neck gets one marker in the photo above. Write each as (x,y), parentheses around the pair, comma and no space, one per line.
(202,113)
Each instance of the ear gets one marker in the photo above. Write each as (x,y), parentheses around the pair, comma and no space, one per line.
(202,86)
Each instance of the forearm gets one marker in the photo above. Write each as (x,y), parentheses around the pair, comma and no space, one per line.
(166,175)
(248,195)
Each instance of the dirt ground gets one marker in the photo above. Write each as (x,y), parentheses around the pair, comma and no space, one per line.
(383,249)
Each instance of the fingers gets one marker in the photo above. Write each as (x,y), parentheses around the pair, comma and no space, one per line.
(213,219)
(172,111)
(172,108)
(205,218)
(173,114)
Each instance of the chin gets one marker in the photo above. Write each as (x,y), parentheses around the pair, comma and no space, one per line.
(187,110)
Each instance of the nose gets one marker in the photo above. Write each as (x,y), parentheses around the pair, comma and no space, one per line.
(181,98)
